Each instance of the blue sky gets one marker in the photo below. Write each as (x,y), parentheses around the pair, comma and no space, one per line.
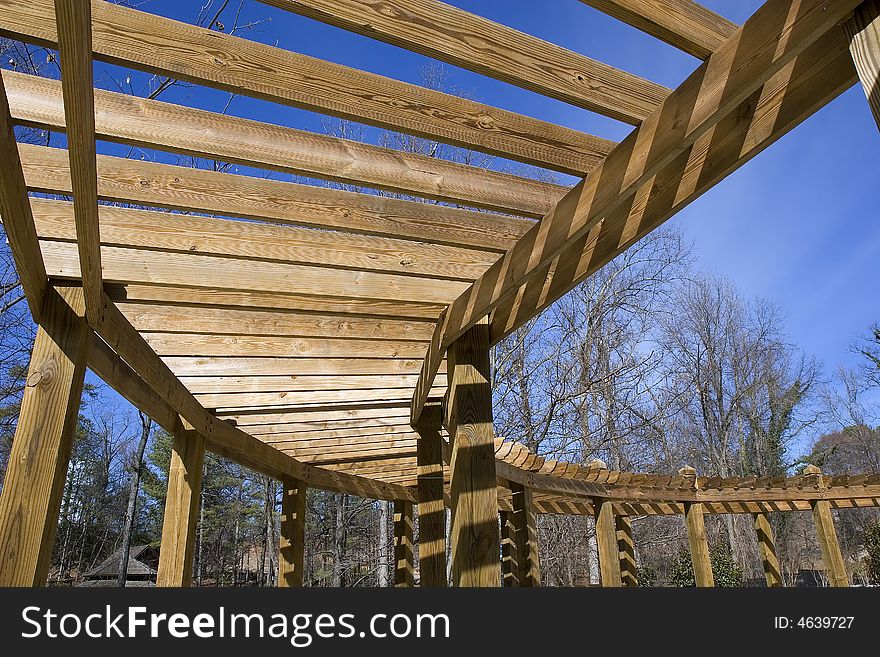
(798,225)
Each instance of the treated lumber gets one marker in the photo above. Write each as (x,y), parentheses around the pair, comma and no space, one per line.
(321,425)
(835,567)
(774,36)
(685,24)
(293,535)
(74,37)
(525,536)
(324,416)
(291,366)
(15,213)
(509,565)
(457,37)
(235,321)
(432,509)
(767,546)
(146,123)
(181,508)
(626,548)
(291,204)
(233,404)
(163,231)
(37,467)
(606,541)
(162,46)
(863,32)
(474,536)
(295,382)
(403,543)
(697,538)
(314,437)
(125,265)
(192,344)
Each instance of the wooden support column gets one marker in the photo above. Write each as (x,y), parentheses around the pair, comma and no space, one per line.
(606,541)
(403,539)
(181,508)
(432,510)
(863,31)
(696,527)
(525,536)
(31,497)
(835,568)
(626,549)
(474,537)
(509,566)
(293,529)
(768,550)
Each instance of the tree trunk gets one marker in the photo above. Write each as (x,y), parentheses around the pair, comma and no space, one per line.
(146,425)
(338,541)
(382,570)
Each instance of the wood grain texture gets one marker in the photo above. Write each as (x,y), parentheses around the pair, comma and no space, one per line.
(74,28)
(432,508)
(293,533)
(31,496)
(725,90)
(403,544)
(684,24)
(248,197)
(509,565)
(606,541)
(220,366)
(166,232)
(863,32)
(181,509)
(697,538)
(463,39)
(474,537)
(767,547)
(835,566)
(525,536)
(626,548)
(297,382)
(193,344)
(233,404)
(15,213)
(159,45)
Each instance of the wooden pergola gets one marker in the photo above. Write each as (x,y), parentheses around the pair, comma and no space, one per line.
(340,340)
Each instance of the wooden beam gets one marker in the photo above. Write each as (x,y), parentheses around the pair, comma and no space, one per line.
(835,567)
(15,213)
(627,551)
(268,366)
(699,543)
(291,204)
(509,565)
(474,536)
(525,536)
(457,37)
(151,43)
(296,382)
(863,32)
(432,509)
(767,546)
(37,101)
(181,508)
(684,24)
(233,404)
(74,30)
(403,544)
(31,496)
(293,526)
(606,541)
(777,33)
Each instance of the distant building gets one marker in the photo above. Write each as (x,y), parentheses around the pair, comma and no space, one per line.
(143,560)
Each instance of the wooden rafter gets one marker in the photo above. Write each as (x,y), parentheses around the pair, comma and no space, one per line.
(723,86)
(457,37)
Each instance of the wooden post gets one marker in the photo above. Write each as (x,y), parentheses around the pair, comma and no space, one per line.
(293,531)
(432,509)
(181,508)
(768,550)
(696,526)
(835,567)
(606,540)
(863,31)
(474,537)
(31,498)
(626,549)
(525,536)
(403,537)
(509,566)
